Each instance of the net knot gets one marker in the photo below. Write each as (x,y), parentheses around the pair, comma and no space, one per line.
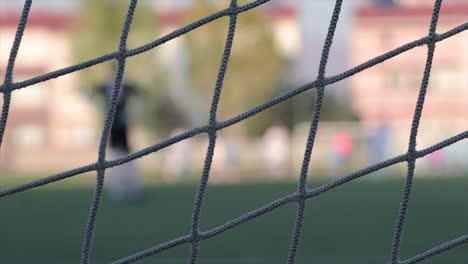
(212,131)
(121,55)
(412,154)
(301,195)
(195,237)
(431,38)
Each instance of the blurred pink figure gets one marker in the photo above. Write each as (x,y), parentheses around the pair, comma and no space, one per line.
(342,148)
(276,150)
(436,158)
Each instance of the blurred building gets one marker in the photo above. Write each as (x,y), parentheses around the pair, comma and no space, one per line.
(51,126)
(424,2)
(387,92)
(284,18)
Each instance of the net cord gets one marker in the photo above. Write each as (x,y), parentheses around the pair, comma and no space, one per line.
(302,193)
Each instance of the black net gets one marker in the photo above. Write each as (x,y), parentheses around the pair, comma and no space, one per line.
(303,192)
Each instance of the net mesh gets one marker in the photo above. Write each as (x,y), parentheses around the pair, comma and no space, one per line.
(303,192)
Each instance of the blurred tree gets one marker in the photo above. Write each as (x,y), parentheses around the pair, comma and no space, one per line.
(98,28)
(333,109)
(255,63)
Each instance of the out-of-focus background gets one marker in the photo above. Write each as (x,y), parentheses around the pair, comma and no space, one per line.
(55,125)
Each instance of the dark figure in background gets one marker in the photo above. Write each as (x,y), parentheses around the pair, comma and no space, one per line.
(123,181)
(342,150)
(378,141)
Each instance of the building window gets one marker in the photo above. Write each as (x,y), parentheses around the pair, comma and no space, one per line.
(31,96)
(414,81)
(394,80)
(386,38)
(446,79)
(398,80)
(441,79)
(83,138)
(28,136)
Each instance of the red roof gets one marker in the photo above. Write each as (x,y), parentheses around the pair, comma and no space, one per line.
(373,11)
(37,19)
(25,70)
(170,17)
(282,12)
(60,21)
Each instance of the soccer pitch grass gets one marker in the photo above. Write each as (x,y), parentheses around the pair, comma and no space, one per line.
(351,224)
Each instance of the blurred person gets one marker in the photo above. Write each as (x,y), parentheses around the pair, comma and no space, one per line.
(436,160)
(378,141)
(219,166)
(276,150)
(124,180)
(226,159)
(342,149)
(231,158)
(178,159)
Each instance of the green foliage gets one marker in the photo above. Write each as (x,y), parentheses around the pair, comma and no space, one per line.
(333,109)
(98,28)
(255,72)
(254,65)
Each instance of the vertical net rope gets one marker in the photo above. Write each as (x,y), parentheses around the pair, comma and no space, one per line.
(302,194)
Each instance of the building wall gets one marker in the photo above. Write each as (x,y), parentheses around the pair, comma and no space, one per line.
(388,91)
(50,124)
(425,2)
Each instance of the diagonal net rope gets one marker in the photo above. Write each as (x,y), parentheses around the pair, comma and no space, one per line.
(303,192)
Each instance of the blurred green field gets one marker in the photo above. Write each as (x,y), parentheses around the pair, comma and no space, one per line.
(350,224)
